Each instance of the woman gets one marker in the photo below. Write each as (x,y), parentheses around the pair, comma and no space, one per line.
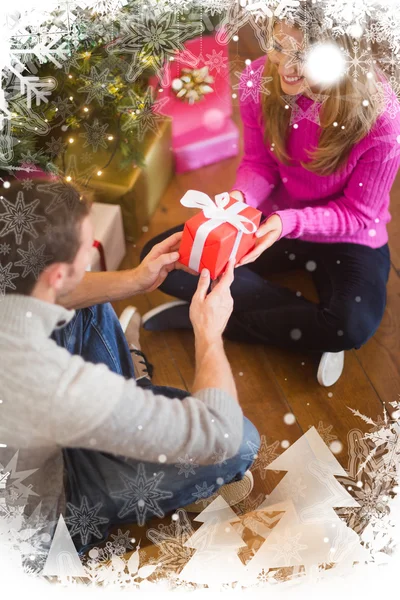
(318,163)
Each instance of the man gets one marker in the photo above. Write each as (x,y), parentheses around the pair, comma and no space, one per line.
(106,449)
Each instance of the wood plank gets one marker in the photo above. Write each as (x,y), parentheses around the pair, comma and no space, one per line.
(312,404)
(380,357)
(394,225)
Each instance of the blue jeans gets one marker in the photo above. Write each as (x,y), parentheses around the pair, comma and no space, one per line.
(350,280)
(112,489)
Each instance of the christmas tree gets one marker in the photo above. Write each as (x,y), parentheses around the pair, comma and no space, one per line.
(310,533)
(216,559)
(63,560)
(89,76)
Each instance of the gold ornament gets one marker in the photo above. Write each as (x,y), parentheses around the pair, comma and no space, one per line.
(193,85)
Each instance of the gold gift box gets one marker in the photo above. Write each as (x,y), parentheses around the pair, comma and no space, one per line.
(137,190)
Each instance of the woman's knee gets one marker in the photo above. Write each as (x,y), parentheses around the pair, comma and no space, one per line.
(357,327)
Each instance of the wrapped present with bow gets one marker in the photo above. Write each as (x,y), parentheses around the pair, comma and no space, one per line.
(223,230)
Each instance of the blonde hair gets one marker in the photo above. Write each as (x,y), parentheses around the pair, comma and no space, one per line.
(344,104)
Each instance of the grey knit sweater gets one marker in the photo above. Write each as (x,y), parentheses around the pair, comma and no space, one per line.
(52,400)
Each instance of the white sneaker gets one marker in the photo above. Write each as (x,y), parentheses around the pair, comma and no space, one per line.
(233,493)
(130,321)
(330,368)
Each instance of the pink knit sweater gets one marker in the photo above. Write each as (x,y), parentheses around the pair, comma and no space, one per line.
(347,206)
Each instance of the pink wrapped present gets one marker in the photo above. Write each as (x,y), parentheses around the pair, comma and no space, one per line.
(202,133)
(198,148)
(109,242)
(213,110)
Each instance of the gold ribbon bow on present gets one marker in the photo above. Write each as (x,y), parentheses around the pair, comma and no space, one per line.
(216,213)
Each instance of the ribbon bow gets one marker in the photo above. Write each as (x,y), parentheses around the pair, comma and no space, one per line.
(217,211)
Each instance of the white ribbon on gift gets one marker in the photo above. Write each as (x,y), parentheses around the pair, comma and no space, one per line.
(216,213)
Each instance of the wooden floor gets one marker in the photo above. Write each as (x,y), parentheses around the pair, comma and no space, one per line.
(273,382)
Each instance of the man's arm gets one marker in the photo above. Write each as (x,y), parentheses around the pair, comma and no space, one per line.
(97,288)
(209,314)
(100,410)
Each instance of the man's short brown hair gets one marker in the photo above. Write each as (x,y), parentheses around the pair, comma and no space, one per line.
(39,226)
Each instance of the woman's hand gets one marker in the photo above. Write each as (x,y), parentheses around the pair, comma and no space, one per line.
(267,234)
(161,260)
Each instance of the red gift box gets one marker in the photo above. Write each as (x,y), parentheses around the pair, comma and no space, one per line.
(222,230)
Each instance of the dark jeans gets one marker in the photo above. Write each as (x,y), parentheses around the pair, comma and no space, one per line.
(351,283)
(104,490)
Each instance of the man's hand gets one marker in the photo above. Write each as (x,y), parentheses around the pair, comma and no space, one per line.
(160,261)
(209,313)
(267,234)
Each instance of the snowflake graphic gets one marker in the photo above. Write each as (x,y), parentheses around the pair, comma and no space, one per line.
(203,493)
(359,62)
(161,6)
(84,520)
(263,456)
(214,7)
(152,41)
(296,52)
(262,9)
(141,495)
(302,110)
(96,85)
(170,540)
(325,432)
(347,11)
(16,487)
(87,158)
(252,83)
(294,489)
(288,547)
(108,8)
(55,146)
(143,113)
(263,576)
(19,217)
(27,183)
(387,97)
(62,195)
(33,260)
(29,159)
(186,466)
(95,135)
(6,278)
(216,61)
(389,23)
(71,62)
(219,458)
(63,107)
(5,249)
(122,540)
